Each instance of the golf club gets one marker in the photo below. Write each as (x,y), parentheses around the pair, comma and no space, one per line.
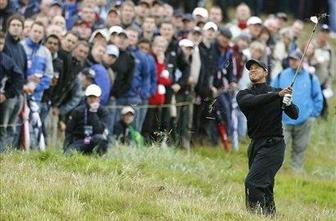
(316,21)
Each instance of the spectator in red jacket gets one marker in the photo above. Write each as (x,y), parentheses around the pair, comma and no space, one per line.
(154,115)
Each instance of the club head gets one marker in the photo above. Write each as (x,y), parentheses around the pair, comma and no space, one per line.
(314,19)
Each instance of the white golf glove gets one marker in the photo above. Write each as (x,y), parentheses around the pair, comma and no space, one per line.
(287,99)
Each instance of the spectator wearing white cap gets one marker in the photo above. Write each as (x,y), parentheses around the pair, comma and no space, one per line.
(202,87)
(255,25)
(86,131)
(123,130)
(100,36)
(109,58)
(200,14)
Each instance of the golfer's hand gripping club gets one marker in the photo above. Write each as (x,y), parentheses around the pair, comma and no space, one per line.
(286,95)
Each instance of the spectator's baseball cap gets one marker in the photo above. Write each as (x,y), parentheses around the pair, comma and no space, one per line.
(186,43)
(113,9)
(226,33)
(210,25)
(178,14)
(117,30)
(254,20)
(324,28)
(196,29)
(187,17)
(253,61)
(297,55)
(102,32)
(200,12)
(93,90)
(127,110)
(88,72)
(112,50)
(244,36)
(282,15)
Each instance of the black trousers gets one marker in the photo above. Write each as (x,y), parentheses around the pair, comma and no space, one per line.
(265,158)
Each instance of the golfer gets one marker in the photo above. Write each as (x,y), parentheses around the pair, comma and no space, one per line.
(262,106)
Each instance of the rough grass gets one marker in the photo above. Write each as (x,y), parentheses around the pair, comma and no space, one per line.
(162,184)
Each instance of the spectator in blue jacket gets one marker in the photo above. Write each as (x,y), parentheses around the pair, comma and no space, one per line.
(39,63)
(139,91)
(11,82)
(145,47)
(307,96)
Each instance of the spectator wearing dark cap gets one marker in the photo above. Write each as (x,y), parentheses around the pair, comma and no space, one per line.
(188,25)
(112,18)
(308,97)
(282,19)
(55,8)
(325,57)
(157,11)
(142,10)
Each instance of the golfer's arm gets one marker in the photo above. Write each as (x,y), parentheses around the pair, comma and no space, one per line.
(292,111)
(246,100)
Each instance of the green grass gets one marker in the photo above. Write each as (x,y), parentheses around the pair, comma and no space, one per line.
(162,184)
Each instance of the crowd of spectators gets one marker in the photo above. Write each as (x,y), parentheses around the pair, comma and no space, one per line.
(166,75)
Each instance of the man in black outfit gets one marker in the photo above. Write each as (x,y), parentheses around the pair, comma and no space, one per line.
(262,106)
(86,129)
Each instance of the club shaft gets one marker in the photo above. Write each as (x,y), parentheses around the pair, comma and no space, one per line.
(304,53)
